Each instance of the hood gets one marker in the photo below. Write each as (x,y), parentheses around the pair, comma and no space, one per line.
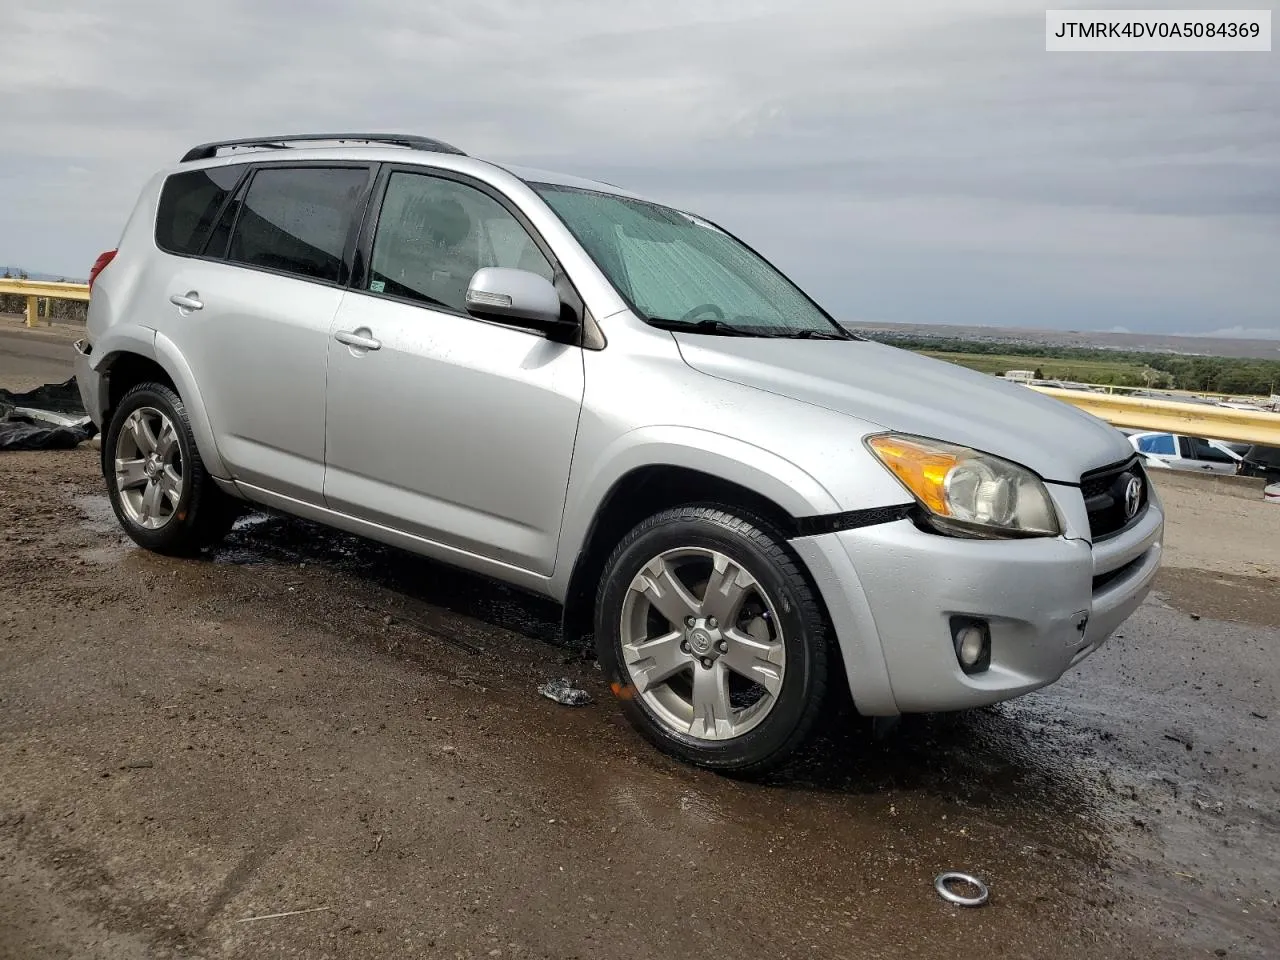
(897,390)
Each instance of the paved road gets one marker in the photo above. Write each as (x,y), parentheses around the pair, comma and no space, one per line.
(303,720)
(29,358)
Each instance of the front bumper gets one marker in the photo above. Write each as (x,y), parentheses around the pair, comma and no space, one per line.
(891,590)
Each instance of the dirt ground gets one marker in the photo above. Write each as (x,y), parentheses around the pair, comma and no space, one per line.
(1219,533)
(305,721)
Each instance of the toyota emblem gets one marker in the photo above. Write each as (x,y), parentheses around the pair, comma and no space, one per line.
(1132,497)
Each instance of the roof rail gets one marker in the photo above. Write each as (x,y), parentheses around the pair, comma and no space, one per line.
(206,151)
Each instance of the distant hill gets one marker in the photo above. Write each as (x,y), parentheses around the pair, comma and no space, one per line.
(1141,342)
(32,274)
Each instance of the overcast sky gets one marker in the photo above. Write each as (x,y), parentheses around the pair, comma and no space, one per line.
(906,162)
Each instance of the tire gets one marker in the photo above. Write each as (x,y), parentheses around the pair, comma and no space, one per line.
(774,647)
(184,514)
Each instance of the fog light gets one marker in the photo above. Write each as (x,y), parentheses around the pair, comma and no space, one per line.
(969,645)
(972,639)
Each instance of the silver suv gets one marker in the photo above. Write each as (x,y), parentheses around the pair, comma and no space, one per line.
(616,403)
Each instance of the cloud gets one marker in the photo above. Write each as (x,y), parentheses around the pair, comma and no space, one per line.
(923,162)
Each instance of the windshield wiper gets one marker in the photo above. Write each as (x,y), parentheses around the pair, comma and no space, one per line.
(786,333)
(814,335)
(723,328)
(709,325)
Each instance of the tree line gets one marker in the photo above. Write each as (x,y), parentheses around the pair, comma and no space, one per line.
(1176,371)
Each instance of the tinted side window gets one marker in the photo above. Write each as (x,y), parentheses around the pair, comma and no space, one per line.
(1201,450)
(1157,443)
(188,203)
(434,234)
(296,219)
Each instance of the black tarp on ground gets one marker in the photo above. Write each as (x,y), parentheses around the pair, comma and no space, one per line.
(17,435)
(23,432)
(54,397)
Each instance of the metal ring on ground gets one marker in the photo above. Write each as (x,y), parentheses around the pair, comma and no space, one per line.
(946,893)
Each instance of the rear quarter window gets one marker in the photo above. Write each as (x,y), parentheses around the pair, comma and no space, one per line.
(189,202)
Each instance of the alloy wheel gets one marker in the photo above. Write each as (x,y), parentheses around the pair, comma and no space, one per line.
(702,643)
(148,468)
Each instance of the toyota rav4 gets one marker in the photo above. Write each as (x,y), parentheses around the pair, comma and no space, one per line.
(616,403)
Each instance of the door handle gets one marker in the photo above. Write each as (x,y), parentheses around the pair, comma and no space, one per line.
(190,302)
(356,340)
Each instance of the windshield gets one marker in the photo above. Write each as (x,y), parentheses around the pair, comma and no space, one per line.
(681,272)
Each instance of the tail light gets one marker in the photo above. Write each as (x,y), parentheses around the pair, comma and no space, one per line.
(99,265)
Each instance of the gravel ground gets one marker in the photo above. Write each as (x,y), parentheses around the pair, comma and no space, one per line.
(303,720)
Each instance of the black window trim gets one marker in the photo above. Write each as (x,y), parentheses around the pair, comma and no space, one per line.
(373,214)
(239,193)
(243,185)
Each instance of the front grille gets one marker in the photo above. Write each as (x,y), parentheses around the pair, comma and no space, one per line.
(1106,497)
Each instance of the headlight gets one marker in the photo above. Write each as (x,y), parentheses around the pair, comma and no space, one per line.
(966,492)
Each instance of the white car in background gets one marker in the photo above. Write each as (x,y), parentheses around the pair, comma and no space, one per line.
(1186,453)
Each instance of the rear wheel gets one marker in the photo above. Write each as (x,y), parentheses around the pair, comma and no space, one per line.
(159,489)
(713,639)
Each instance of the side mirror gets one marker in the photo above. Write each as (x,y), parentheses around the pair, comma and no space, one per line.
(518,298)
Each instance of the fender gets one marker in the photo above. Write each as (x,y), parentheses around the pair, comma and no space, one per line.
(730,458)
(169,357)
(115,341)
(146,342)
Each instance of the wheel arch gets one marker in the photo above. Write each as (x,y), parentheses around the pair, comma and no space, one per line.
(642,492)
(131,359)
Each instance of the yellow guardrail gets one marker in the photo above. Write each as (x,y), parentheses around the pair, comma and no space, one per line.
(1125,391)
(1189,419)
(46,290)
(1207,394)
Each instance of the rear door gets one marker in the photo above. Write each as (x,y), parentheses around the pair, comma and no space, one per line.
(1205,456)
(251,315)
(456,430)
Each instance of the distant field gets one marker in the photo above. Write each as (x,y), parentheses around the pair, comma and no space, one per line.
(1085,371)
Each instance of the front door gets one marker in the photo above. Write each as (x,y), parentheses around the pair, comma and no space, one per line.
(456,430)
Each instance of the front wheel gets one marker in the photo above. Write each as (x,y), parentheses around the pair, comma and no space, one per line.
(159,489)
(713,639)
